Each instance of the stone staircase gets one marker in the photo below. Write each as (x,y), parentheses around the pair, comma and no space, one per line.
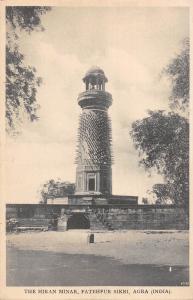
(99,221)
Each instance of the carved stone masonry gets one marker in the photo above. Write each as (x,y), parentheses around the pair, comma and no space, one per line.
(94,153)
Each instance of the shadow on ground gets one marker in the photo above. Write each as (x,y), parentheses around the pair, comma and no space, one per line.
(41,268)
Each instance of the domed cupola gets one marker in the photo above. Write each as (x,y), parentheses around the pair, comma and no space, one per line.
(95,79)
(95,95)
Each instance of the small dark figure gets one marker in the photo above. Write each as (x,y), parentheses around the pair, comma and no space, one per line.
(91,238)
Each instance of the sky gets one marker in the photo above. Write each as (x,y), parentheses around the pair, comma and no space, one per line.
(132,46)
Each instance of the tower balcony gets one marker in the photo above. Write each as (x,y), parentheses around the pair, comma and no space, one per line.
(95,98)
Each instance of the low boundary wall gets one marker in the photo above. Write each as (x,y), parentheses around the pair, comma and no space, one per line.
(109,217)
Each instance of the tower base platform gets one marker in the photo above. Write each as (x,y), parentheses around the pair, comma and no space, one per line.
(94,199)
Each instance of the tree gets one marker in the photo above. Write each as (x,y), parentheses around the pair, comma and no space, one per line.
(145,200)
(163,143)
(178,72)
(162,138)
(162,193)
(56,189)
(21,80)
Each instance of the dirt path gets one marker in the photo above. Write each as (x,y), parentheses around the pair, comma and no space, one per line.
(129,247)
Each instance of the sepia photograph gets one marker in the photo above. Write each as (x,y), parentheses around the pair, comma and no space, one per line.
(97,148)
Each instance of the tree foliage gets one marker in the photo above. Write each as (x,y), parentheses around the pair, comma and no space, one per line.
(21,80)
(26,17)
(163,143)
(56,189)
(162,138)
(178,72)
(162,193)
(145,201)
(21,88)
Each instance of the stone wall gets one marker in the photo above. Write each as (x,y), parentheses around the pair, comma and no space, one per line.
(141,217)
(107,217)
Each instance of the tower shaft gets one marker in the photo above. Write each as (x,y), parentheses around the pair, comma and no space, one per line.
(94,155)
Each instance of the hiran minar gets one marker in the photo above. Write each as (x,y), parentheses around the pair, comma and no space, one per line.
(94,153)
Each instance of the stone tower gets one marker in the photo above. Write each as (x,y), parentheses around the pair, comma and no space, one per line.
(94,155)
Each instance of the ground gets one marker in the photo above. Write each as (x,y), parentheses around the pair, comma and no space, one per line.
(115,258)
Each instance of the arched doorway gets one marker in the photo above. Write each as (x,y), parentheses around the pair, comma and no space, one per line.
(78,221)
